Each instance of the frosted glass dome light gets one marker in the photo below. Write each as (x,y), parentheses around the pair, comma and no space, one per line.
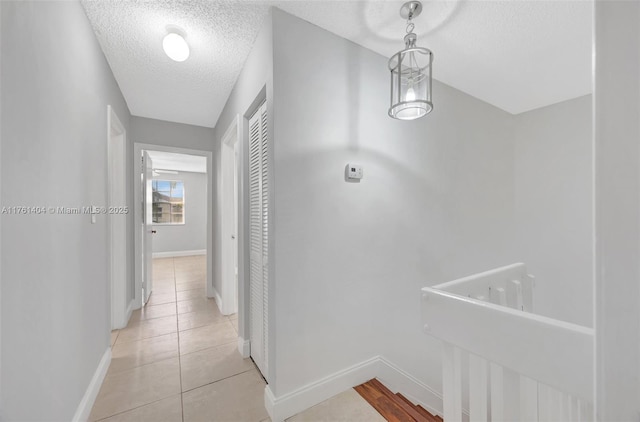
(175,47)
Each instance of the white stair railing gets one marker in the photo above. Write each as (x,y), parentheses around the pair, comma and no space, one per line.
(521,366)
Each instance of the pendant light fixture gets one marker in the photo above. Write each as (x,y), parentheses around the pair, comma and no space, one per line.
(410,72)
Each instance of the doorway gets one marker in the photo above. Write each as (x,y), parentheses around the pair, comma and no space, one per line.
(168,181)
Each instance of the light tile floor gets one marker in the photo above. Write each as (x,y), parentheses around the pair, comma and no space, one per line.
(177,360)
(348,406)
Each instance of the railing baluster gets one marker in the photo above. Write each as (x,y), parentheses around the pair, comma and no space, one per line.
(528,399)
(518,295)
(502,296)
(451,383)
(477,389)
(543,403)
(511,395)
(497,393)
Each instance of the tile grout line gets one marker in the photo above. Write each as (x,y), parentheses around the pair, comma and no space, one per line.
(221,379)
(175,287)
(134,408)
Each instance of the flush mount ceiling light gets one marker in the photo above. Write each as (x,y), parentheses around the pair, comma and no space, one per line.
(410,73)
(175,46)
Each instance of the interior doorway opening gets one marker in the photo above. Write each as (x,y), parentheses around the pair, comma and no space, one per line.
(173,213)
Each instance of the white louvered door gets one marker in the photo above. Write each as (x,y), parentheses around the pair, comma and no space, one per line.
(259,245)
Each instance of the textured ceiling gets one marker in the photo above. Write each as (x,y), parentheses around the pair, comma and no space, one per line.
(178,162)
(517,55)
(219,33)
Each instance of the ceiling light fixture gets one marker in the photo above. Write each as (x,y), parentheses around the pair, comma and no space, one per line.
(175,46)
(410,72)
(165,171)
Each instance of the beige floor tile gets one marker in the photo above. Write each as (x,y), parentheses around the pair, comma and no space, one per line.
(164,278)
(233,316)
(206,337)
(210,365)
(163,274)
(159,297)
(136,387)
(165,410)
(191,294)
(153,311)
(345,407)
(148,328)
(239,398)
(142,352)
(189,285)
(198,304)
(234,322)
(114,336)
(199,319)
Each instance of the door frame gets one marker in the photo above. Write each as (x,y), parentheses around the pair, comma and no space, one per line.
(117,230)
(137,189)
(229,144)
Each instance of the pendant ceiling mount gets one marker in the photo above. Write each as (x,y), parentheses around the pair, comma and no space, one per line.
(410,68)
(410,10)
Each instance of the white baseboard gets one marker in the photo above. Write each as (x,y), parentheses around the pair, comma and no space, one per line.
(86,404)
(217,298)
(129,311)
(287,405)
(244,347)
(174,254)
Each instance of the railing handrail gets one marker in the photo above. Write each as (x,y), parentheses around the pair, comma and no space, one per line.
(491,274)
(556,353)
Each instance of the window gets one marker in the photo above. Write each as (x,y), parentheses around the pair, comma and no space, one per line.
(168,202)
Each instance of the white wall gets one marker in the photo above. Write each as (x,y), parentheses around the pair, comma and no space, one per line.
(554,201)
(436,203)
(56,85)
(254,85)
(192,235)
(617,208)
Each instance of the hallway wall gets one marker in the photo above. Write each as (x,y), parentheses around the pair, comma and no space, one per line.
(55,306)
(170,134)
(435,203)
(554,206)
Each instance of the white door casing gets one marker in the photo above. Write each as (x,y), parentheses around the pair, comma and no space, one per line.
(229,208)
(147,226)
(116,220)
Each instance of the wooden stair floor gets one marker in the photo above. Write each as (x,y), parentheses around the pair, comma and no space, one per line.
(393,407)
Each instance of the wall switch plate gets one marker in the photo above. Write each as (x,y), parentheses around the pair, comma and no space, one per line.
(354,171)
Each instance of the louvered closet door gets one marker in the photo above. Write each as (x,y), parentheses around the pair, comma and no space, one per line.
(259,220)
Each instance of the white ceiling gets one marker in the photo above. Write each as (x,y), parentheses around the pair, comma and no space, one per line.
(178,162)
(517,55)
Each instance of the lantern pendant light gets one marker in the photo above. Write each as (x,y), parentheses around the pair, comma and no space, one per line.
(410,73)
